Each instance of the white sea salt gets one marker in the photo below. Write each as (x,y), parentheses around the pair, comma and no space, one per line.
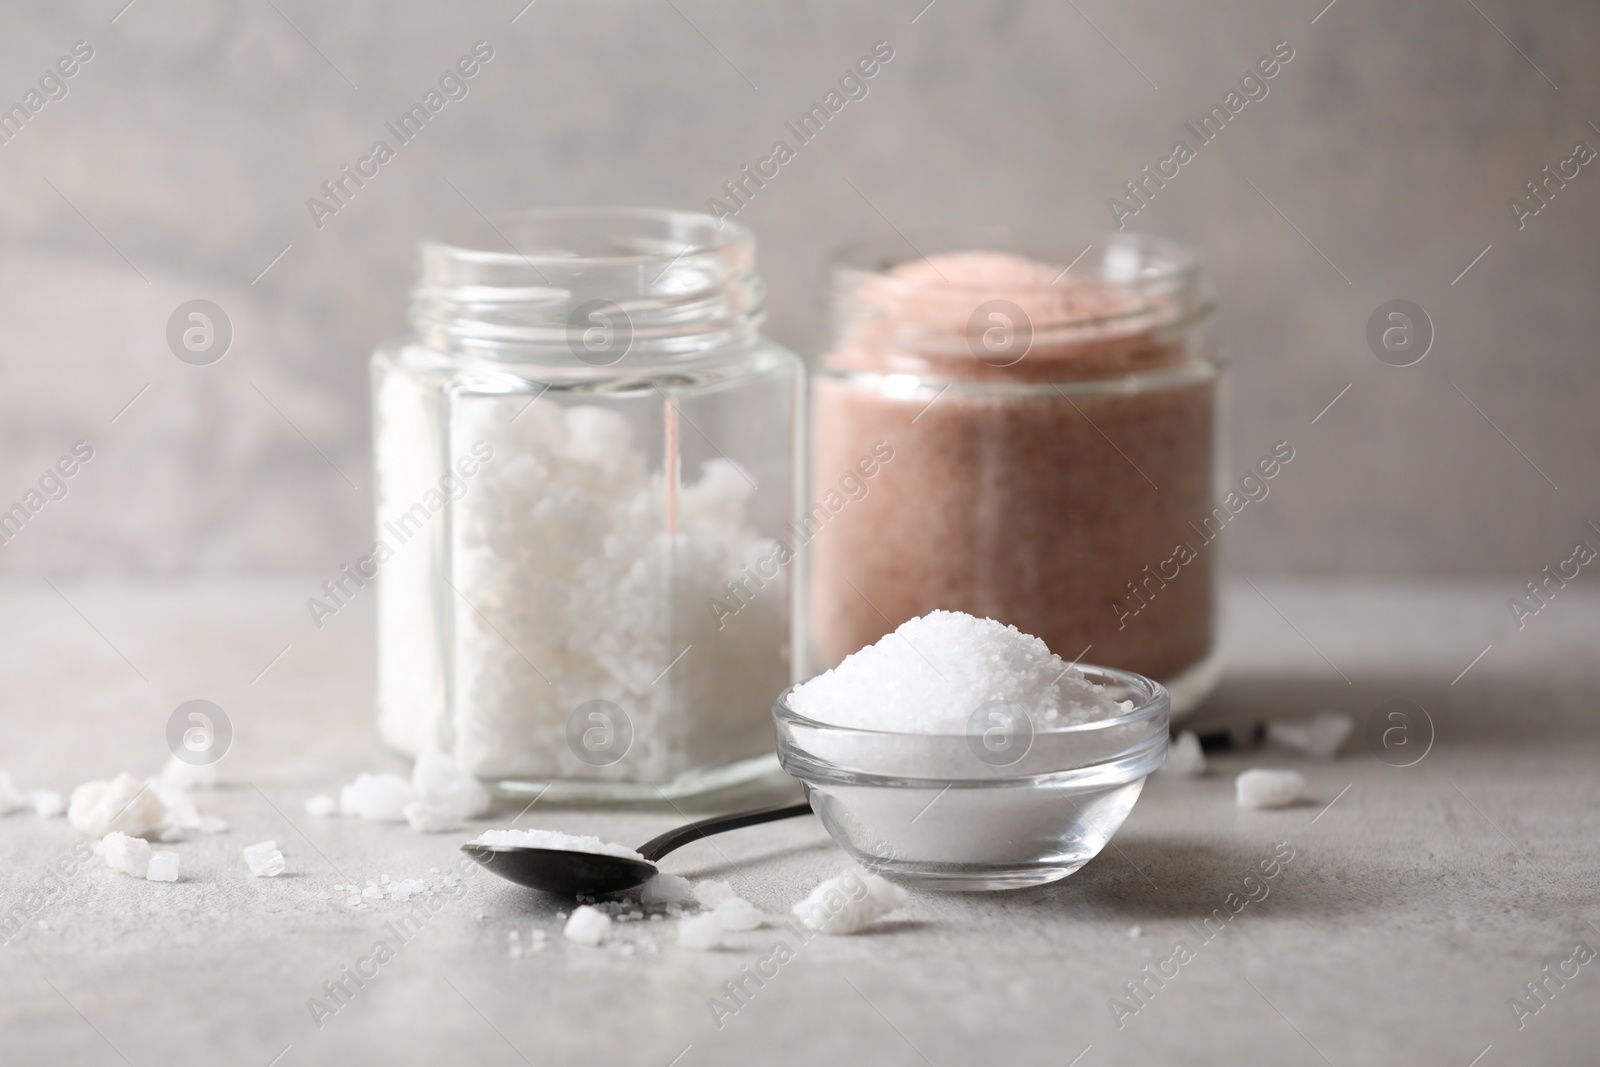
(666,888)
(1319,737)
(188,776)
(163,866)
(701,932)
(378,797)
(557,840)
(737,914)
(264,859)
(130,855)
(447,788)
(895,684)
(11,798)
(562,545)
(428,818)
(123,804)
(849,903)
(1260,788)
(587,926)
(322,806)
(47,803)
(1185,758)
(710,893)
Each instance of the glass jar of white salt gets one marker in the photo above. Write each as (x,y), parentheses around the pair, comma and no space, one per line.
(585,470)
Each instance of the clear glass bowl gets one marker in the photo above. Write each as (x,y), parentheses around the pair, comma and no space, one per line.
(1001,806)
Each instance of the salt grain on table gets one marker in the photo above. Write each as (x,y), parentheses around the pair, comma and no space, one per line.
(587,926)
(1259,788)
(163,867)
(849,903)
(264,859)
(702,932)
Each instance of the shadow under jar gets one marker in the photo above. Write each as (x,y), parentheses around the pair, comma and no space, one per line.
(1052,443)
(586,440)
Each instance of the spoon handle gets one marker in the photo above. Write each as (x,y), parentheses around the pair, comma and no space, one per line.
(657,847)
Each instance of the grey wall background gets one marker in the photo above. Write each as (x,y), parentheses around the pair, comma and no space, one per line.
(179,166)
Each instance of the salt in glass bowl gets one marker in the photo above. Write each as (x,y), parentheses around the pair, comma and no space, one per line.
(1012,802)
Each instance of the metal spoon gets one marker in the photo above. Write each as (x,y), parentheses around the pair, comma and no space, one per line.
(572,874)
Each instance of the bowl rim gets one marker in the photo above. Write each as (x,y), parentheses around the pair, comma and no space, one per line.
(1157,702)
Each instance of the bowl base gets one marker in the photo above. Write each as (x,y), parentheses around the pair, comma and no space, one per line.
(979,880)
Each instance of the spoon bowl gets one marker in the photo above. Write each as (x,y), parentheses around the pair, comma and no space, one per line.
(568,874)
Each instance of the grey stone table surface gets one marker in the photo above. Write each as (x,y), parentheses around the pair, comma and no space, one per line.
(1417,903)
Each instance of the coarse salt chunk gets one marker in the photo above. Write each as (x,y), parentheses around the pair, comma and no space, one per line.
(701,933)
(264,859)
(130,855)
(587,926)
(47,803)
(163,867)
(1260,788)
(443,785)
(184,775)
(1319,737)
(378,797)
(710,893)
(893,685)
(11,798)
(1185,758)
(557,840)
(666,889)
(322,806)
(123,804)
(428,818)
(738,914)
(848,903)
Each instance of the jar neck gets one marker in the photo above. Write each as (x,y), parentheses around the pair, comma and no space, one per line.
(589,287)
(983,306)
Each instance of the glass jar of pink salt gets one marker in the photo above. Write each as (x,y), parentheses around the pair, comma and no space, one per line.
(1024,433)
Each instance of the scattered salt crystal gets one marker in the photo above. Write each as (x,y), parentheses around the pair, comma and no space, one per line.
(737,914)
(264,859)
(181,775)
(11,798)
(47,803)
(322,806)
(587,926)
(130,855)
(124,804)
(163,867)
(1185,758)
(354,901)
(443,785)
(1319,737)
(666,889)
(893,685)
(557,840)
(1135,931)
(372,892)
(848,903)
(711,893)
(702,932)
(378,797)
(1260,788)
(428,818)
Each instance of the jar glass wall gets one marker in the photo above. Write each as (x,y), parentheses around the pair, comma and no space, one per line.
(1055,449)
(585,470)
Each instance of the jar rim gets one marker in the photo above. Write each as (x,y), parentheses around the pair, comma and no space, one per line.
(548,284)
(671,218)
